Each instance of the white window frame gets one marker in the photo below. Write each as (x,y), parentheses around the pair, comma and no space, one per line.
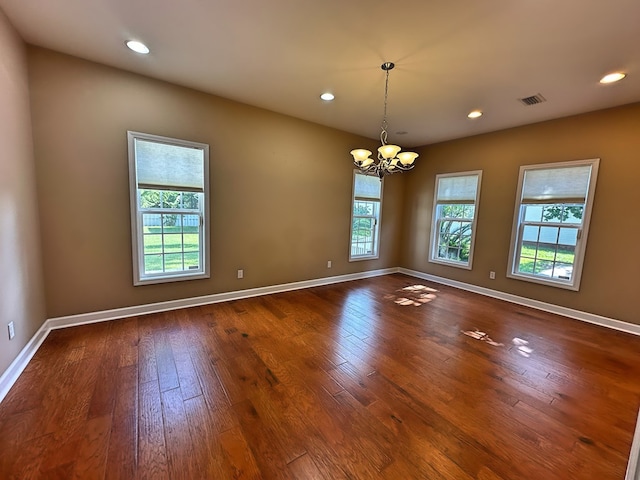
(517,231)
(437,219)
(137,227)
(376,219)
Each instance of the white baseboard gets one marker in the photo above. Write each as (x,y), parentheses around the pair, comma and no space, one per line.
(11,374)
(528,302)
(105,315)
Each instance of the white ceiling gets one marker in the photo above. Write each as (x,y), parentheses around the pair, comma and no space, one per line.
(451,56)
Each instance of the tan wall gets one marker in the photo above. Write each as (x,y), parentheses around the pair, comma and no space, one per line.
(280,187)
(21,289)
(610,280)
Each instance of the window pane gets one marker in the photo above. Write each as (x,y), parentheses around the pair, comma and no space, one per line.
(568,236)
(563,271)
(530,233)
(548,234)
(149,198)
(153,264)
(173,262)
(191,200)
(170,199)
(152,223)
(363,208)
(191,261)
(573,214)
(172,242)
(566,254)
(546,252)
(552,213)
(469,211)
(543,268)
(152,244)
(532,213)
(452,211)
(526,265)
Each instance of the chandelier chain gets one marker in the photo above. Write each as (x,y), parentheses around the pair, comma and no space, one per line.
(383,134)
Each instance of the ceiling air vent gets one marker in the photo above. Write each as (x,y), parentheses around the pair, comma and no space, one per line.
(533,100)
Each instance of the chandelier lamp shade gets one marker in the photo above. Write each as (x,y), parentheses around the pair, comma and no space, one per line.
(390,158)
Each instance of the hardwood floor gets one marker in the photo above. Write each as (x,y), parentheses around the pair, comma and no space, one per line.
(334,382)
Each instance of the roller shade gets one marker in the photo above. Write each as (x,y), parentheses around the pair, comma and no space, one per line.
(367,187)
(169,167)
(457,189)
(556,185)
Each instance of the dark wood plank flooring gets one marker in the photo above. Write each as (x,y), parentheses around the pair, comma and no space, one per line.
(334,382)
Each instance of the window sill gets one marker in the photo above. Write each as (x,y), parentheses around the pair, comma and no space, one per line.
(170,278)
(465,266)
(544,281)
(363,257)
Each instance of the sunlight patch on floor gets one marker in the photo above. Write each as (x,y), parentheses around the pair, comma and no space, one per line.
(414,295)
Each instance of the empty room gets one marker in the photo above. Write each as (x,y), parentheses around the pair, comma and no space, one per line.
(302,240)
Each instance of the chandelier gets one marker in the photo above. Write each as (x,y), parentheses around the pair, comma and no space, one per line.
(390,158)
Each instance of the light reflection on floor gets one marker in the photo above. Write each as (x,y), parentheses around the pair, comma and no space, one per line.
(521,346)
(414,295)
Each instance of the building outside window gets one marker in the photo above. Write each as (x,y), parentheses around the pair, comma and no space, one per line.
(169,192)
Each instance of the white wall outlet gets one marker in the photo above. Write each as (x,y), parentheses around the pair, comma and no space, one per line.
(492,275)
(240,273)
(12,331)
(328,263)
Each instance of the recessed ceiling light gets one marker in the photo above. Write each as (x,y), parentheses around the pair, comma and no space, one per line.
(138,47)
(327,97)
(475,114)
(613,77)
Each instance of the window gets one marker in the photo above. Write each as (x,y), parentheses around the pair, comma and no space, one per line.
(454,218)
(551,222)
(365,216)
(169,189)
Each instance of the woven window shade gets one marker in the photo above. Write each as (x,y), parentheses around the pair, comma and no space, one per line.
(457,189)
(169,167)
(367,187)
(556,185)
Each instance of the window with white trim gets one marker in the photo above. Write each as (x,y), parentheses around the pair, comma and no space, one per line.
(454,218)
(365,216)
(169,190)
(551,222)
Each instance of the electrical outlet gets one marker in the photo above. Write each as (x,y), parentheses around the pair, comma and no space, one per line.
(492,275)
(329,264)
(12,331)
(240,273)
